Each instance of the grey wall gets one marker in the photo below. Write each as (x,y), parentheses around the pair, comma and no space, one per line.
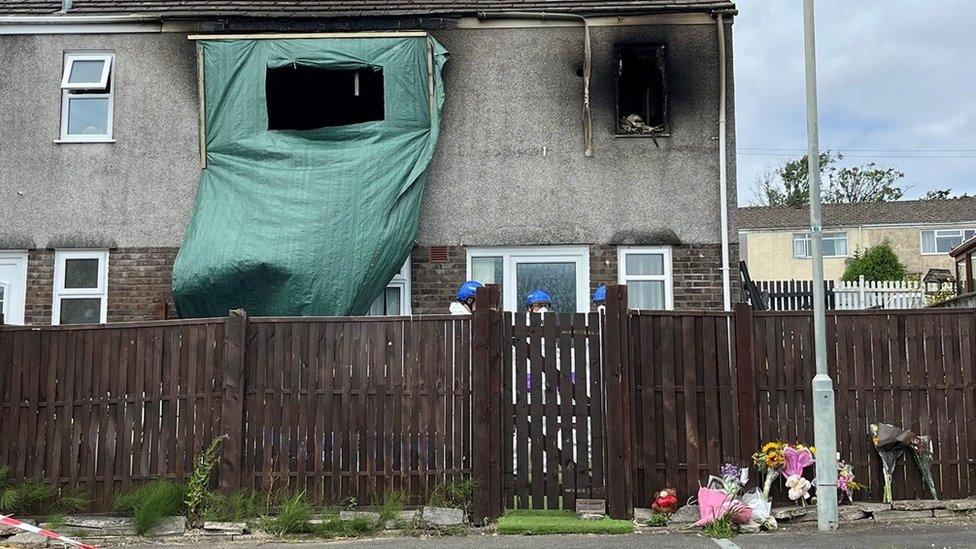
(509,168)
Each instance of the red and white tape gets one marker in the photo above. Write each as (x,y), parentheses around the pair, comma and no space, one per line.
(10,521)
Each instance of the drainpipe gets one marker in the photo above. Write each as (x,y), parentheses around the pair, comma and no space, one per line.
(723,176)
(587,60)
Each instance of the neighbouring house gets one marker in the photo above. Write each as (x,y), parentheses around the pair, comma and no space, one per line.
(775,241)
(100,157)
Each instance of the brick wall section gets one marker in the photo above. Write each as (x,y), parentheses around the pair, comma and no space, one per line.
(139,280)
(40,287)
(435,285)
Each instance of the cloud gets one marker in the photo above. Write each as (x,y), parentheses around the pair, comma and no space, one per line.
(892,76)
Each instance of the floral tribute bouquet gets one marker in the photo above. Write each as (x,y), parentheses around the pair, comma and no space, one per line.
(922,449)
(845,480)
(798,457)
(770,460)
(890,442)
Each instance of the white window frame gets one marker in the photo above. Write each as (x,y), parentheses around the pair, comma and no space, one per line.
(512,256)
(667,277)
(69,91)
(60,292)
(808,240)
(18,260)
(69,62)
(935,238)
(402,281)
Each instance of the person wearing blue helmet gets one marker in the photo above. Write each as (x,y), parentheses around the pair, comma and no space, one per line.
(538,301)
(465,303)
(600,297)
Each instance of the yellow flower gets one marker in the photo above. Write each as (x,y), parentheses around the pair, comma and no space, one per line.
(769,447)
(813,450)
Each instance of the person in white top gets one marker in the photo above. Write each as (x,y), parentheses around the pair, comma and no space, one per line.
(465,303)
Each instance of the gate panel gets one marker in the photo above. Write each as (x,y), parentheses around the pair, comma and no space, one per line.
(553,410)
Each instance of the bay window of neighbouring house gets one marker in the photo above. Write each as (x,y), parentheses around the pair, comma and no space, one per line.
(394,300)
(834,245)
(87,97)
(562,272)
(647,273)
(80,287)
(642,102)
(940,241)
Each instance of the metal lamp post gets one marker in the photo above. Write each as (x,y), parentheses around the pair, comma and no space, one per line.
(824,426)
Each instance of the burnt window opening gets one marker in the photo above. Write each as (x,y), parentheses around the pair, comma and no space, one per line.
(301,97)
(642,99)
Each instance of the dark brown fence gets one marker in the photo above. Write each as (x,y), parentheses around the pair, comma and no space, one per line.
(684,400)
(109,406)
(344,408)
(553,410)
(538,410)
(911,368)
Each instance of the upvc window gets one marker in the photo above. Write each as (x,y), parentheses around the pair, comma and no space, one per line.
(87,98)
(562,271)
(80,287)
(395,298)
(940,241)
(647,273)
(834,245)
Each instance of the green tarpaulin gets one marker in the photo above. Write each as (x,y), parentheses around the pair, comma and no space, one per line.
(309,222)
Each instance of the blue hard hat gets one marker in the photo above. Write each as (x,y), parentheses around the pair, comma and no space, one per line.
(536,297)
(468,290)
(600,295)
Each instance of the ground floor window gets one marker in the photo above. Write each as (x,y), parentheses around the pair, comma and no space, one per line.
(647,273)
(80,287)
(13,286)
(395,298)
(562,271)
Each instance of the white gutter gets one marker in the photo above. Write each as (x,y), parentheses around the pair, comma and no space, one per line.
(98,24)
(723,176)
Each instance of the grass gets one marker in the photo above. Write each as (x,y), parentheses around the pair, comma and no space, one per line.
(240,506)
(293,517)
(558,522)
(148,505)
(720,528)
(38,496)
(455,493)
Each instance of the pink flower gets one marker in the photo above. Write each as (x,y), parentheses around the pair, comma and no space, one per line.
(796,460)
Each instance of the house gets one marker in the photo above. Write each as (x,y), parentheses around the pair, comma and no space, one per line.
(775,241)
(100,160)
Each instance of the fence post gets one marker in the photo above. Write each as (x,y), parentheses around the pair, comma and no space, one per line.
(232,401)
(486,404)
(748,412)
(616,372)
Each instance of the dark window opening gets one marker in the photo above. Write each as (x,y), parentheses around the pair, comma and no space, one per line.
(301,97)
(642,101)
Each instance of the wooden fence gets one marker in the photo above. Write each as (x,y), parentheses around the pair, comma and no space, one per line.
(537,409)
(797,295)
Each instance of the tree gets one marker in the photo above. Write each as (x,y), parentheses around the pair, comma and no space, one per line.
(789,184)
(943,194)
(876,263)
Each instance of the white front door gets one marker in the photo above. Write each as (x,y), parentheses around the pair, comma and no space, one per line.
(13,286)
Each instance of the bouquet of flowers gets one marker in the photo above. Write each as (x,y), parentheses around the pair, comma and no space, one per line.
(890,442)
(770,460)
(665,502)
(845,480)
(798,457)
(922,449)
(732,479)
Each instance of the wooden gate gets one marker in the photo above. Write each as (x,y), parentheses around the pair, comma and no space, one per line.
(552,410)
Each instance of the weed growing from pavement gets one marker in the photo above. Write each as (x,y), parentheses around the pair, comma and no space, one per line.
(149,504)
(720,528)
(38,496)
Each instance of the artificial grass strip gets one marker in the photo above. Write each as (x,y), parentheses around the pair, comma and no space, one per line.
(526,522)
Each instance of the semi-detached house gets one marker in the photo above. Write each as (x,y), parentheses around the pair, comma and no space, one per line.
(581,143)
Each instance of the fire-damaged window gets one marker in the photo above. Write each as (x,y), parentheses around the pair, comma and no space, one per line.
(301,97)
(642,100)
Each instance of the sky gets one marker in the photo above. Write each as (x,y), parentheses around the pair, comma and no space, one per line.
(896,83)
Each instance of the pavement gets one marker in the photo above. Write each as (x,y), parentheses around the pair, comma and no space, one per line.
(901,535)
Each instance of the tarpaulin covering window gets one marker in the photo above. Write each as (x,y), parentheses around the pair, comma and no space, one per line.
(317,221)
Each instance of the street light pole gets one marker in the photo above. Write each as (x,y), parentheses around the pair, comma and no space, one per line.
(824,425)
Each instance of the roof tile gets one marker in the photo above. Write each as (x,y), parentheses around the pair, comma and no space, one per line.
(954,210)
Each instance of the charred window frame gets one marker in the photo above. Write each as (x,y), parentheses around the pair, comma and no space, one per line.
(304,97)
(641,90)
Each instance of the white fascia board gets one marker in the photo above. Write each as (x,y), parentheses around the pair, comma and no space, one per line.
(96,24)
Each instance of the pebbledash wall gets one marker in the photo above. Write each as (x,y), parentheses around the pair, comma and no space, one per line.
(509,168)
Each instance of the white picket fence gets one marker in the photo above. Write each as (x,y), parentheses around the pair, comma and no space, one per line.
(886,294)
